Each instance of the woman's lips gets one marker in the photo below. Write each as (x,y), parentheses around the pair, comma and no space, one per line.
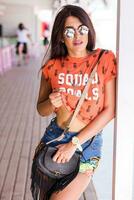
(77,43)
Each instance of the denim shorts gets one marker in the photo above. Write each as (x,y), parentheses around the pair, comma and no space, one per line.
(91,148)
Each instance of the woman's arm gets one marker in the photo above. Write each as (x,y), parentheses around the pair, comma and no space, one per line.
(104,117)
(30,38)
(48,101)
(44,105)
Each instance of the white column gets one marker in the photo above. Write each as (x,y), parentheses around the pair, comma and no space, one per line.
(124,126)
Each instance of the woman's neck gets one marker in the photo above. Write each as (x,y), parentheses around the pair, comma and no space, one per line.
(78,54)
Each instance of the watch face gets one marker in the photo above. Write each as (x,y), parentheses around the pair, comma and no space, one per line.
(75,140)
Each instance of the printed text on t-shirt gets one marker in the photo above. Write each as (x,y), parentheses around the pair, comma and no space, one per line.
(78,80)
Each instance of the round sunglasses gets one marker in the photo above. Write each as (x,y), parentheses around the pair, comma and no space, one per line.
(70,31)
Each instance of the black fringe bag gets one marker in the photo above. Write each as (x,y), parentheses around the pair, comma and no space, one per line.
(48,176)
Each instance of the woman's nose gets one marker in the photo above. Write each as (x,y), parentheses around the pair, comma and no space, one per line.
(76,35)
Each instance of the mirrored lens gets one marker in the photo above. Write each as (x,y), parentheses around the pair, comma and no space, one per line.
(83,30)
(69,32)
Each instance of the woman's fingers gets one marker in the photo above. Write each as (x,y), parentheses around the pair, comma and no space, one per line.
(57,102)
(56,99)
(64,153)
(56,156)
(64,160)
(54,95)
(59,157)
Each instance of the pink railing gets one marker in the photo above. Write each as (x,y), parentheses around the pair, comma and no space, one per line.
(7,58)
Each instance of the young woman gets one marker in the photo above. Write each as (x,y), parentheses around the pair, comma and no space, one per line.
(63,78)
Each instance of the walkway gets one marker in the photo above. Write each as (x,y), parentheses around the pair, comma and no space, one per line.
(20,130)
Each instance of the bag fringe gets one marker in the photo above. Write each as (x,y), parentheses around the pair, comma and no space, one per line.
(43,186)
(63,182)
(40,183)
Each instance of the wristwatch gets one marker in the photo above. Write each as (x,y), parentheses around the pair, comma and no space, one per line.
(76,141)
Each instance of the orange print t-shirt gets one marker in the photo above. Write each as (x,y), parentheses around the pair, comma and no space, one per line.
(70,75)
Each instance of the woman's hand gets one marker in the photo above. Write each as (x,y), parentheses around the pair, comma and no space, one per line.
(56,99)
(64,152)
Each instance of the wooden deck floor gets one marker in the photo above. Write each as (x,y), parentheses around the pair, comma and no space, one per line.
(20,130)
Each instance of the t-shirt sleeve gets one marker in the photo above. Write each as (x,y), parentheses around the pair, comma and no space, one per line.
(110,69)
(45,72)
(47,68)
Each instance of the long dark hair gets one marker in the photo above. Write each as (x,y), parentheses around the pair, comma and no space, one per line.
(57,47)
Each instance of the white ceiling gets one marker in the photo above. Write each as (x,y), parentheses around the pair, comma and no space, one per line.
(45,4)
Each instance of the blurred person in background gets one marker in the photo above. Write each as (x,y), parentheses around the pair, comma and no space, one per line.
(23,36)
(46,36)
